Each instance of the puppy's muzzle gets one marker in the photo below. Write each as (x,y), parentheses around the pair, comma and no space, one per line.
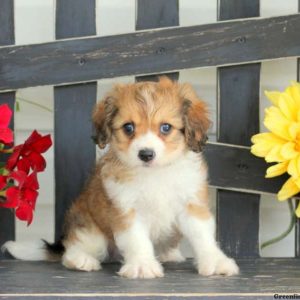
(146,155)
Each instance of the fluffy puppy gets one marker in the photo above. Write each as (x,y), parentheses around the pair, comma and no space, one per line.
(147,191)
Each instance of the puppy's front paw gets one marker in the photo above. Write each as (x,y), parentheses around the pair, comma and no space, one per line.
(81,261)
(147,269)
(221,265)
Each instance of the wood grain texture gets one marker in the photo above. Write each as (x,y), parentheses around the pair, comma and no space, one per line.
(74,149)
(235,168)
(75,18)
(157,14)
(238,119)
(7,37)
(263,277)
(153,51)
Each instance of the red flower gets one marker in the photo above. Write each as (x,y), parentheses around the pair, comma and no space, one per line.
(6,134)
(22,197)
(2,181)
(28,155)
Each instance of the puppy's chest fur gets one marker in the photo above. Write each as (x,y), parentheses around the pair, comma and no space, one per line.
(158,195)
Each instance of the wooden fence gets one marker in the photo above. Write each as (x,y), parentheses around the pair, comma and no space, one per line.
(78,58)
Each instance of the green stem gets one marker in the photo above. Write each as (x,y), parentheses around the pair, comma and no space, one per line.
(286,232)
(11,150)
(36,104)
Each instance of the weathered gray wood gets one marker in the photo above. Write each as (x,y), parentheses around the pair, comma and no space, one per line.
(156,14)
(149,52)
(238,105)
(242,9)
(258,278)
(7,37)
(74,19)
(74,149)
(237,169)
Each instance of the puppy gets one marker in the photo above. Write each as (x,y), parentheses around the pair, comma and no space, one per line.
(147,191)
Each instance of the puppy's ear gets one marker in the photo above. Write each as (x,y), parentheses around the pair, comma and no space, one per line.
(102,118)
(195,118)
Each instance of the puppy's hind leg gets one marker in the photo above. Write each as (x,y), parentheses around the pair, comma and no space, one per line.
(85,249)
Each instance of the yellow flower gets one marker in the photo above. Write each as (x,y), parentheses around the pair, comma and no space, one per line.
(282,144)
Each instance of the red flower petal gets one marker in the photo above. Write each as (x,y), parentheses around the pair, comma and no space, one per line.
(2,181)
(14,157)
(19,176)
(6,135)
(43,144)
(30,197)
(35,136)
(12,198)
(37,161)
(24,165)
(24,212)
(5,113)
(31,182)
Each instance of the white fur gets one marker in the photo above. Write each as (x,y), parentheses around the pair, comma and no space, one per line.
(26,250)
(86,252)
(209,258)
(151,141)
(159,197)
(159,194)
(137,250)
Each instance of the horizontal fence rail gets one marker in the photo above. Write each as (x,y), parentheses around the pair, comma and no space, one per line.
(152,51)
(233,167)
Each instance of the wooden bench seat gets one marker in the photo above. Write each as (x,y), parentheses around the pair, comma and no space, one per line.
(259,279)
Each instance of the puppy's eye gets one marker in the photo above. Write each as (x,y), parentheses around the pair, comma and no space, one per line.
(165,128)
(128,128)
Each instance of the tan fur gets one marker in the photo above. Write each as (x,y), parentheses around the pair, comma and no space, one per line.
(198,211)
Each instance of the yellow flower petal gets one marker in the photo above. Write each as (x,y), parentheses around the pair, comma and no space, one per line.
(273,96)
(274,155)
(288,151)
(293,167)
(277,169)
(277,123)
(264,142)
(288,190)
(298,211)
(288,106)
(294,91)
(294,130)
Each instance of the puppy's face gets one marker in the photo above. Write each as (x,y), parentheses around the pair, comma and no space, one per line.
(151,124)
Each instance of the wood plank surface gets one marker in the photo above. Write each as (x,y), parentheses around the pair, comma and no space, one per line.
(258,278)
(153,51)
(235,168)
(238,119)
(74,149)
(7,37)
(157,14)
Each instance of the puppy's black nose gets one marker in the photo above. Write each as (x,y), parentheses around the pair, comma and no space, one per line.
(146,155)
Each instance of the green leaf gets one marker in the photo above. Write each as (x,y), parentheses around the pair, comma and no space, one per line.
(17,106)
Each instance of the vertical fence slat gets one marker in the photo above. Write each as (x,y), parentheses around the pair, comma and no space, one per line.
(238,100)
(74,150)
(7,218)
(156,14)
